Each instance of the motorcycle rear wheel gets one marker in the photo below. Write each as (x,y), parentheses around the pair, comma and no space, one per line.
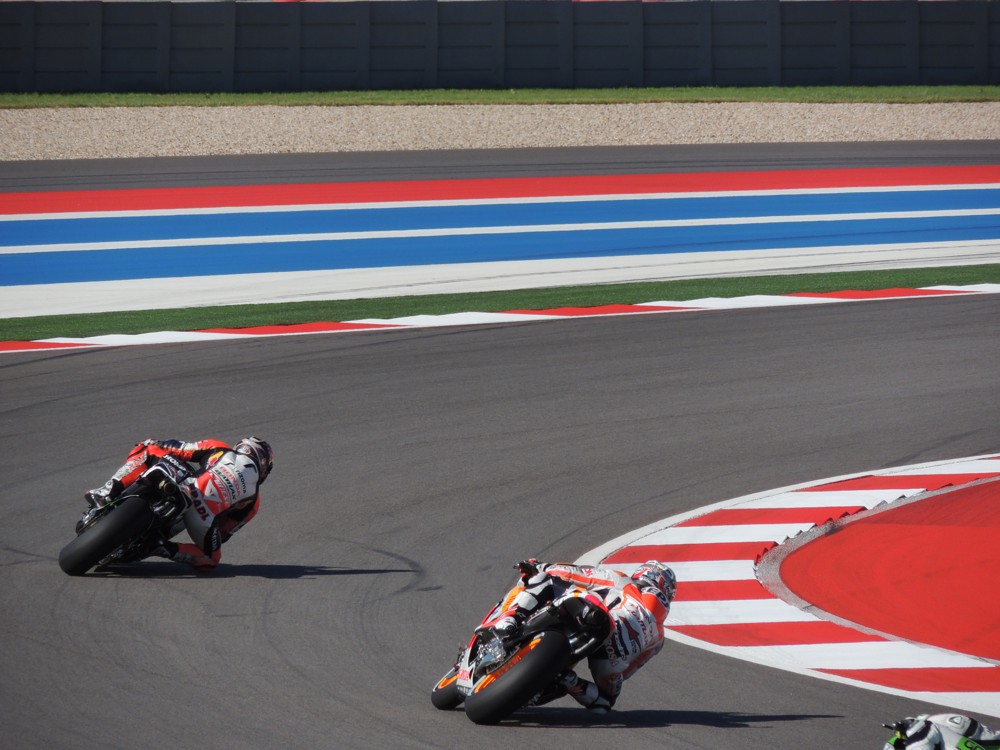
(107,534)
(535,666)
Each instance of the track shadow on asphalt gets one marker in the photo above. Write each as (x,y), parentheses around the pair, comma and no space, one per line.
(274,572)
(567,718)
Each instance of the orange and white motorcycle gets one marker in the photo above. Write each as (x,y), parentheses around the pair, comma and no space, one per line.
(494,676)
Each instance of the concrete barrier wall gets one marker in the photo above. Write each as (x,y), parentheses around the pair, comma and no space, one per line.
(229,46)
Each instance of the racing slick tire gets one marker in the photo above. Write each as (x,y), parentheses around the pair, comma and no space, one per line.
(445,695)
(529,671)
(119,526)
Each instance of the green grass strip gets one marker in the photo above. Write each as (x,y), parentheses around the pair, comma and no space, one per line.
(241,316)
(805,94)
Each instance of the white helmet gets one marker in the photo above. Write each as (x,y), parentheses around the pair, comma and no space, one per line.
(657,576)
(259,452)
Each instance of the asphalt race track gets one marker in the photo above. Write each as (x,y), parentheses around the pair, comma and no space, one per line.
(413,469)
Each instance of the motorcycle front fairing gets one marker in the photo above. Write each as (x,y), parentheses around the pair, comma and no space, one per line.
(485,652)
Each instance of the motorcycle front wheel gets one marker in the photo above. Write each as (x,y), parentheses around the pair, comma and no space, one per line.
(119,526)
(445,695)
(529,671)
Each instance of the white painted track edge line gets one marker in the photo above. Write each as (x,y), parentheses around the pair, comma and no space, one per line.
(436,321)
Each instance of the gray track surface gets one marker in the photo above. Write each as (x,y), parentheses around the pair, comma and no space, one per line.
(413,469)
(420,165)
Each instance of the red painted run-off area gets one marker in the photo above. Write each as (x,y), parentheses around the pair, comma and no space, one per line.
(149,199)
(926,571)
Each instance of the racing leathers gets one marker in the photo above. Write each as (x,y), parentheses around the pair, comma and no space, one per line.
(637,615)
(222,495)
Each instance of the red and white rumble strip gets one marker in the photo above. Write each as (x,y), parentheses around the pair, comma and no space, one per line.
(722,606)
(493,318)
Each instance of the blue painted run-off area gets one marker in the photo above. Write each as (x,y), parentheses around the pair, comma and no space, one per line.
(236,243)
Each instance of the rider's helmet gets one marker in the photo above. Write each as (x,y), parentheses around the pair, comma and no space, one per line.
(259,452)
(657,576)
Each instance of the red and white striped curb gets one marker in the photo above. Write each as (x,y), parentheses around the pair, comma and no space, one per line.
(722,606)
(493,318)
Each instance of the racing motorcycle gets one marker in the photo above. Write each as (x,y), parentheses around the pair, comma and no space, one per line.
(129,527)
(494,676)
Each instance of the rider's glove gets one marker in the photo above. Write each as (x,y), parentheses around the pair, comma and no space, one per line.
(527,568)
(530,574)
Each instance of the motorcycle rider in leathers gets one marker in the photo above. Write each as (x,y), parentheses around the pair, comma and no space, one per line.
(941,732)
(221,493)
(638,605)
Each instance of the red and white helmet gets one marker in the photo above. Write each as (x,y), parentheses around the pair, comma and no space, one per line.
(259,452)
(655,575)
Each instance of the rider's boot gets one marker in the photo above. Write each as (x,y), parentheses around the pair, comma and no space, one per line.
(509,626)
(585,693)
(101,496)
(196,557)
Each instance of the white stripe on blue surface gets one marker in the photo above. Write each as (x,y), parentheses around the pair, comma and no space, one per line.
(480,230)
